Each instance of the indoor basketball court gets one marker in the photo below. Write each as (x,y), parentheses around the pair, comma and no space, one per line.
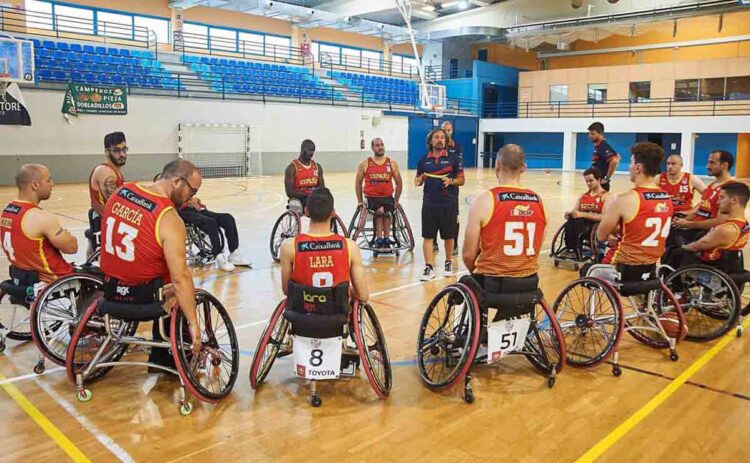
(408,112)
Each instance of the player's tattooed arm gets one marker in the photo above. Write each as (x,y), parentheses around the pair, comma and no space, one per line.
(110,185)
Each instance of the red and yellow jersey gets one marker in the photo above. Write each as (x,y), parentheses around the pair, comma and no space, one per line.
(26,253)
(320,261)
(592,203)
(379,178)
(644,235)
(510,240)
(708,208)
(681,192)
(97,198)
(306,178)
(742,230)
(131,248)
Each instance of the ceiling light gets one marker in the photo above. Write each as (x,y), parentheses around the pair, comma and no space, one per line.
(462,5)
(449,4)
(428,8)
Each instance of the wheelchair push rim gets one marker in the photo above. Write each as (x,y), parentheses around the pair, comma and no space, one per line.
(590,317)
(372,348)
(439,340)
(269,345)
(645,329)
(545,345)
(402,229)
(53,321)
(209,376)
(288,225)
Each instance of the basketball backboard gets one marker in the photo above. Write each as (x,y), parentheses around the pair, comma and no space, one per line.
(16,60)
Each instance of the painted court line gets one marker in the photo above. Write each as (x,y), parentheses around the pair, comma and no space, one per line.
(103,438)
(60,439)
(626,426)
(30,376)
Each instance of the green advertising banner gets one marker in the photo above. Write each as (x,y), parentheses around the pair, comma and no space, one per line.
(95,99)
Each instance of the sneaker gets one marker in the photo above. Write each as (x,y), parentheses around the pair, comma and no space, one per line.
(161,357)
(237,259)
(223,263)
(379,243)
(448,269)
(428,273)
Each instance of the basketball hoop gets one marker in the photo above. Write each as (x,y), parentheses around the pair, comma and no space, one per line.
(3,86)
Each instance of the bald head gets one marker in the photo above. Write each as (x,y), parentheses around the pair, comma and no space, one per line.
(674,165)
(179,168)
(378,147)
(448,129)
(29,173)
(511,158)
(34,183)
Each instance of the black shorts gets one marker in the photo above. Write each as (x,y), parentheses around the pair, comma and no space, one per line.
(375,203)
(443,219)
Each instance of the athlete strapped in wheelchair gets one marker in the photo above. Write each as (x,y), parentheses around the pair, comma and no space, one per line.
(575,241)
(326,329)
(501,248)
(143,251)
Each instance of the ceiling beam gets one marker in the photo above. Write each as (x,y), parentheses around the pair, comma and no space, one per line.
(358,7)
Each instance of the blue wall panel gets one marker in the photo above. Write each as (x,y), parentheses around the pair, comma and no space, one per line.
(707,142)
(543,149)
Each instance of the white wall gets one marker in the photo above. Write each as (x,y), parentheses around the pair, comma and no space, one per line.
(687,126)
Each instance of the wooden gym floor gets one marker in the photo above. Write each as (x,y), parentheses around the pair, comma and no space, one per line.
(692,410)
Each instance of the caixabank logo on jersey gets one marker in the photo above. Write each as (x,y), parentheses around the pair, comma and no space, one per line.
(313,246)
(12,209)
(512,196)
(137,199)
(655,195)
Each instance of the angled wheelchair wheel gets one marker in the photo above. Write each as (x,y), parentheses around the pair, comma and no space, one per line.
(402,230)
(590,317)
(288,225)
(646,327)
(339,227)
(558,242)
(90,343)
(745,299)
(57,311)
(210,376)
(545,344)
(353,224)
(709,299)
(373,351)
(448,336)
(274,341)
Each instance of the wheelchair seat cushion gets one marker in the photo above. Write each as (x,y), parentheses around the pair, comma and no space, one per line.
(143,293)
(513,297)
(131,312)
(317,312)
(638,279)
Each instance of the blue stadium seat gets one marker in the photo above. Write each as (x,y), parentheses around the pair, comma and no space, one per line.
(45,74)
(59,76)
(113,51)
(76,48)
(89,49)
(76,76)
(101,50)
(48,44)
(62,46)
(124,52)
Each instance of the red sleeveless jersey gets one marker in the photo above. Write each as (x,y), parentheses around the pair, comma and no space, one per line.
(741,228)
(379,179)
(320,261)
(592,203)
(708,208)
(510,240)
(131,248)
(97,199)
(25,253)
(306,178)
(644,236)
(680,192)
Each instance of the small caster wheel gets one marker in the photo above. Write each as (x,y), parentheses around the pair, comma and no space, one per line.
(673,356)
(316,401)
(469,396)
(374,255)
(556,263)
(739,331)
(398,253)
(551,382)
(85,395)
(186,408)
(616,370)
(39,368)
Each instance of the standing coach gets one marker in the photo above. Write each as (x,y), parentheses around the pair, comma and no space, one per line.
(605,158)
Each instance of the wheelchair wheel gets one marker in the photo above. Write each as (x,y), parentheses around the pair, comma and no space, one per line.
(211,375)
(709,298)
(354,223)
(15,319)
(545,344)
(448,337)
(645,328)
(288,225)
(89,341)
(372,349)
(339,227)
(402,230)
(590,317)
(273,339)
(57,311)
(558,242)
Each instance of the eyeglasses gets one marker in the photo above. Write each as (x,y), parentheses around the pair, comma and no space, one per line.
(193,191)
(119,150)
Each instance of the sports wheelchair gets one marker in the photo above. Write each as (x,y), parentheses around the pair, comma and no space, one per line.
(587,248)
(711,295)
(362,231)
(593,311)
(289,225)
(198,249)
(107,332)
(328,336)
(457,321)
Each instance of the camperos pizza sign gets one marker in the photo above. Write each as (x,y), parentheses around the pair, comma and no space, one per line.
(95,99)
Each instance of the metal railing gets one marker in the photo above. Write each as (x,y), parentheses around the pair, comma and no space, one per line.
(21,21)
(657,107)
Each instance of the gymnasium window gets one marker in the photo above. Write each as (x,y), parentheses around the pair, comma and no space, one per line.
(222,39)
(597,93)
(686,89)
(196,35)
(251,43)
(329,54)
(351,57)
(160,27)
(41,15)
(558,93)
(371,59)
(115,25)
(396,63)
(738,88)
(640,92)
(410,66)
(278,46)
(70,19)
(712,89)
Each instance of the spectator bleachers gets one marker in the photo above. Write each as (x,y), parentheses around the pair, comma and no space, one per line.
(380,89)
